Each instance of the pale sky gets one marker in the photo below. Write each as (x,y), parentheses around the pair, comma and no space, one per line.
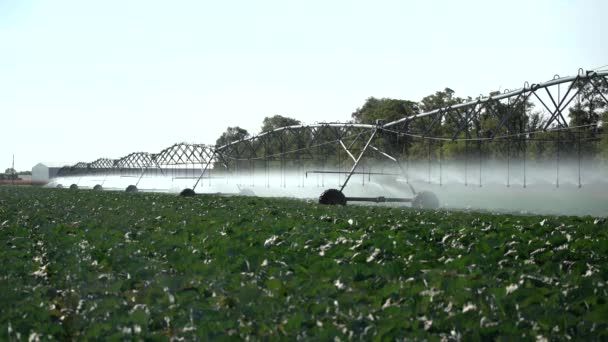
(84,79)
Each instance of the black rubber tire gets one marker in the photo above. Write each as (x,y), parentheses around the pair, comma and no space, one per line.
(98,187)
(131,188)
(74,187)
(187,193)
(332,197)
(59,186)
(425,200)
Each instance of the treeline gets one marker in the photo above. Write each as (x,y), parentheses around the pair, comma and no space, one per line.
(12,174)
(586,137)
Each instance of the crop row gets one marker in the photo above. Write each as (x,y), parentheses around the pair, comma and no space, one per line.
(114,265)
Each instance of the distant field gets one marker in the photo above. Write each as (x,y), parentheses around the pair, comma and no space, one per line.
(83,264)
(18,182)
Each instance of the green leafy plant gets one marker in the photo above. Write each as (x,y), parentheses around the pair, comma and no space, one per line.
(113,265)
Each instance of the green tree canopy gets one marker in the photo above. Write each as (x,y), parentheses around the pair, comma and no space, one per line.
(604,139)
(440,99)
(589,104)
(232,134)
(276,121)
(384,109)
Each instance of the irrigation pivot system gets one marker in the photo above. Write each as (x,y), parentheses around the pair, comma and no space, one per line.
(348,151)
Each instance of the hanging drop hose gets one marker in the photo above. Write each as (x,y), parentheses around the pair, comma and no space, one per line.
(508,163)
(525,153)
(479,150)
(466,162)
(440,166)
(557,161)
(429,163)
(579,159)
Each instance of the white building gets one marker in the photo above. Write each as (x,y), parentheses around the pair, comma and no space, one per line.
(43,172)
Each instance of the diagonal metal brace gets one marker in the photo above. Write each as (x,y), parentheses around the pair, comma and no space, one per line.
(358,160)
(204,170)
(347,151)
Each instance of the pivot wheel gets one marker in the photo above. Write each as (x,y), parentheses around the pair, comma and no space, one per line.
(98,187)
(425,200)
(187,193)
(73,186)
(131,188)
(332,197)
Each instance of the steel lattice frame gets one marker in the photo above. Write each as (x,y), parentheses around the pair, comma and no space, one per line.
(466,114)
(136,160)
(102,166)
(300,141)
(80,168)
(185,154)
(274,144)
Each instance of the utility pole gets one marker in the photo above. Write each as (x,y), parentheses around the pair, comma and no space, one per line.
(13,169)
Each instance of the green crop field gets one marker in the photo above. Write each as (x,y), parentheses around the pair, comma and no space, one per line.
(79,264)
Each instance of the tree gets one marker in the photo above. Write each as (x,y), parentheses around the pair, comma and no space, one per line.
(276,121)
(10,173)
(590,103)
(232,134)
(284,142)
(441,99)
(586,113)
(384,109)
(604,139)
(389,110)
